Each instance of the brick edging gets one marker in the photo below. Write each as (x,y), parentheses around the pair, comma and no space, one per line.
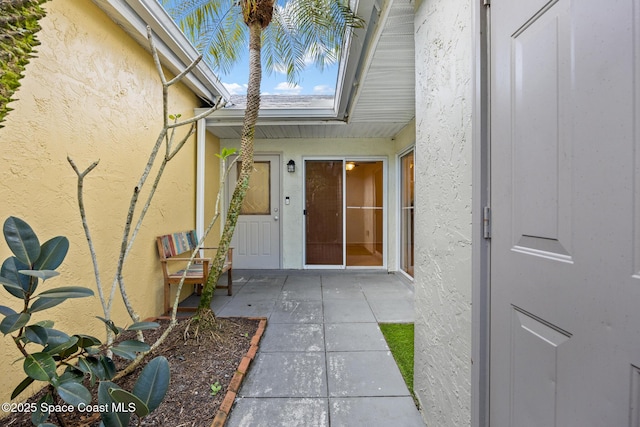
(225,408)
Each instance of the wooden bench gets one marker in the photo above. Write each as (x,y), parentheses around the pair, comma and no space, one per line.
(177,248)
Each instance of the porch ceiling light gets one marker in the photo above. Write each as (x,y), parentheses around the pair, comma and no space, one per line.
(291,166)
(349,166)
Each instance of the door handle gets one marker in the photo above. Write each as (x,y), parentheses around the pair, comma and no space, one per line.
(275,218)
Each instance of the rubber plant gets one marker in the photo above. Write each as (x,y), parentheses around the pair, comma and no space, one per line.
(68,362)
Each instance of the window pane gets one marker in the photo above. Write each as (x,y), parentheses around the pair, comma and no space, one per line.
(258,198)
(365,211)
(407,213)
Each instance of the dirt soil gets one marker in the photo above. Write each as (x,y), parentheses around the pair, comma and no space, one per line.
(195,365)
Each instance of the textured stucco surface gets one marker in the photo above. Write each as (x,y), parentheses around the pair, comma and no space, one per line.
(443,211)
(292,185)
(91,93)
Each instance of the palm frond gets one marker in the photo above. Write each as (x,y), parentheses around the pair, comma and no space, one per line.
(307,31)
(215,28)
(301,32)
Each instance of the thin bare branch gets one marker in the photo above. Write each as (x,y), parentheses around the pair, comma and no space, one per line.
(187,70)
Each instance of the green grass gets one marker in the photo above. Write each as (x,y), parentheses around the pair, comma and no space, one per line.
(399,338)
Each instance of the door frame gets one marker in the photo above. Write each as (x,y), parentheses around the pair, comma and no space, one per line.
(398,199)
(481,212)
(385,216)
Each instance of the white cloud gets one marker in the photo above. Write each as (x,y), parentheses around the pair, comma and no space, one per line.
(323,90)
(285,88)
(235,88)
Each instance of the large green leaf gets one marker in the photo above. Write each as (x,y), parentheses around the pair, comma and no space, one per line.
(67,292)
(58,348)
(129,348)
(85,341)
(153,382)
(52,253)
(111,419)
(22,387)
(74,393)
(9,271)
(116,330)
(143,326)
(56,337)
(40,274)
(109,366)
(40,366)
(43,303)
(39,416)
(123,396)
(36,334)
(22,240)
(10,284)
(6,311)
(14,322)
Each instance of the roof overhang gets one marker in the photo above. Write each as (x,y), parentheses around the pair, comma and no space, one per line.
(175,50)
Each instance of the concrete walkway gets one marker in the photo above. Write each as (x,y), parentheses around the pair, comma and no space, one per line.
(323,360)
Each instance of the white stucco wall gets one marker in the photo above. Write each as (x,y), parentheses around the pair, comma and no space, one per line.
(292,185)
(443,210)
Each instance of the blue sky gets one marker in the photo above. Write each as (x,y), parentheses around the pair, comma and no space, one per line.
(312,81)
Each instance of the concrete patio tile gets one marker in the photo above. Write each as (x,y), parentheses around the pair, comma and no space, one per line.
(276,412)
(347,311)
(374,411)
(347,292)
(393,310)
(245,308)
(286,375)
(354,337)
(288,311)
(267,280)
(296,281)
(370,373)
(387,290)
(301,293)
(281,337)
(252,293)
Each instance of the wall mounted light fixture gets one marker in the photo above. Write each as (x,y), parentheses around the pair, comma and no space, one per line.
(291,166)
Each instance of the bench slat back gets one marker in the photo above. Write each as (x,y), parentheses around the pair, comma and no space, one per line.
(177,243)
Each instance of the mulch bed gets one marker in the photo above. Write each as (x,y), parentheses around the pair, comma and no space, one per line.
(195,365)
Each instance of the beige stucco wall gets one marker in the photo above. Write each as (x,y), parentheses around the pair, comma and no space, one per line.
(292,184)
(443,211)
(91,94)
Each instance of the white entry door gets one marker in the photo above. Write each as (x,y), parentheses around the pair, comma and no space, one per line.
(565,203)
(256,241)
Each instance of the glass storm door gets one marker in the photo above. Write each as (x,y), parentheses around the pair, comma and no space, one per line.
(324,212)
(344,213)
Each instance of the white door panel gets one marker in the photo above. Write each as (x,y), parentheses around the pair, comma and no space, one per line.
(256,240)
(565,196)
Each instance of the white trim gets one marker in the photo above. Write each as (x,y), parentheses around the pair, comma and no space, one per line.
(405,151)
(481,197)
(201,139)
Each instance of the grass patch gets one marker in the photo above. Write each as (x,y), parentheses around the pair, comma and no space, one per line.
(399,338)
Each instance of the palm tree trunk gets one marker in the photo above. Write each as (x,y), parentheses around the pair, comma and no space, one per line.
(246,157)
